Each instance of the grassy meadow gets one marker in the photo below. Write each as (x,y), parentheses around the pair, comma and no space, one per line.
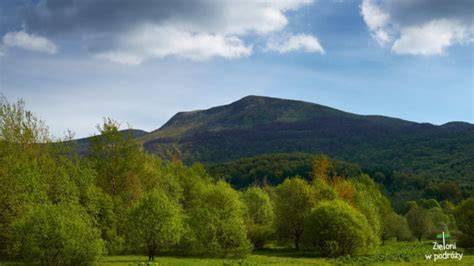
(391,253)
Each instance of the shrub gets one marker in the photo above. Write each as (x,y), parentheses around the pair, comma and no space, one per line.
(57,235)
(334,228)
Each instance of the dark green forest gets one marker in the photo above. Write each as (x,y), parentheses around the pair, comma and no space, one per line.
(61,207)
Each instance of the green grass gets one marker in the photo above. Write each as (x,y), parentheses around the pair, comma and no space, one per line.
(392,253)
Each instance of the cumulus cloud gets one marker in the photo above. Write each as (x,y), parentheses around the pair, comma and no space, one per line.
(32,42)
(131,32)
(302,42)
(423,27)
(148,42)
(376,19)
(430,38)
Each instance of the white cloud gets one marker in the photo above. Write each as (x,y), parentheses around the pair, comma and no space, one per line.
(157,42)
(132,33)
(376,20)
(303,42)
(422,27)
(430,38)
(30,42)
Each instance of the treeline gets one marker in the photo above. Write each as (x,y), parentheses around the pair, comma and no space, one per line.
(400,187)
(57,207)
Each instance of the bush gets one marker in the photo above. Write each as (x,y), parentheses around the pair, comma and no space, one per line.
(57,235)
(334,228)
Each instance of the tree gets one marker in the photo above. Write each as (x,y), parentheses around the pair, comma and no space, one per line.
(464,215)
(419,222)
(395,226)
(155,223)
(294,200)
(259,215)
(118,161)
(57,235)
(321,168)
(23,174)
(216,223)
(334,228)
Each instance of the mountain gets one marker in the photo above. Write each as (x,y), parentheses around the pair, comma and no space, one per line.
(257,125)
(84,143)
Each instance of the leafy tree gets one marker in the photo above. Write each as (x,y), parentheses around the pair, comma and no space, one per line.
(294,200)
(321,168)
(439,220)
(419,222)
(334,228)
(57,235)
(259,215)
(21,184)
(323,190)
(155,223)
(118,161)
(395,226)
(216,223)
(464,215)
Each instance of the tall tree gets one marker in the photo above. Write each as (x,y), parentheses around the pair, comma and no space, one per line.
(419,221)
(259,215)
(155,223)
(118,161)
(293,203)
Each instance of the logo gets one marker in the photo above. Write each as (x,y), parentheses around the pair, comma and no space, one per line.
(449,250)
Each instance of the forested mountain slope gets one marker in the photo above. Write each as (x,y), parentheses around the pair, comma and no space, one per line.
(259,125)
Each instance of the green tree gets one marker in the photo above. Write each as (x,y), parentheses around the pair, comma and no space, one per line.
(259,215)
(293,202)
(334,228)
(395,226)
(419,221)
(57,235)
(22,174)
(464,215)
(118,161)
(216,223)
(155,223)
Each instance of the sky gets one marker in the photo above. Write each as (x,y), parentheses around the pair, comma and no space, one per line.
(142,61)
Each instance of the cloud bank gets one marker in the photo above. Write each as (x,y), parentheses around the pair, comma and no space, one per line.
(422,27)
(132,32)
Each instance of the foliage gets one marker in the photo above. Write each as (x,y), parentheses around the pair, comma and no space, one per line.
(334,228)
(395,226)
(464,214)
(216,223)
(155,223)
(419,221)
(293,203)
(57,235)
(259,216)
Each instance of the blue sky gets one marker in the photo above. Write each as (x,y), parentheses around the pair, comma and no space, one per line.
(79,63)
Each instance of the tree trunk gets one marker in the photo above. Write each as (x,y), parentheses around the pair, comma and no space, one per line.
(297,242)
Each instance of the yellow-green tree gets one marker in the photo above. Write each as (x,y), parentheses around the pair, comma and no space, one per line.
(293,202)
(259,216)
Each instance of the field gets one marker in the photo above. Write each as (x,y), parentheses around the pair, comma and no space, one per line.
(392,253)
